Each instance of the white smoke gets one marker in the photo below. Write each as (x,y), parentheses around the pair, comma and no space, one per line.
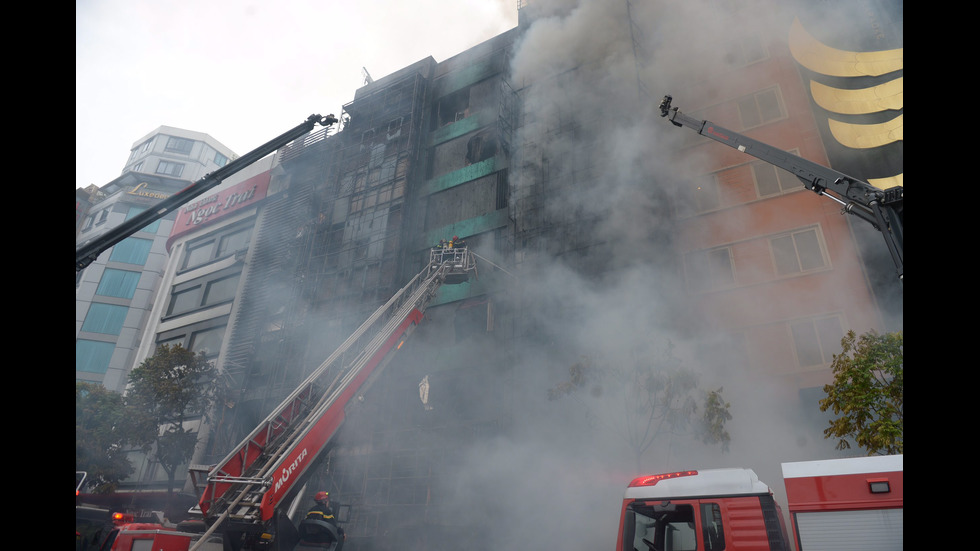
(591,74)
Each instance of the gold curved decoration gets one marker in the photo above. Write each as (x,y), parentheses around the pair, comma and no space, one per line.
(883,97)
(864,136)
(817,57)
(889,182)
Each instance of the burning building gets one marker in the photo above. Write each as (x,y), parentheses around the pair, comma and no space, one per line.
(601,231)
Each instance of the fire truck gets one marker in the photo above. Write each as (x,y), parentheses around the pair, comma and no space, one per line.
(846,503)
(851,503)
(245,497)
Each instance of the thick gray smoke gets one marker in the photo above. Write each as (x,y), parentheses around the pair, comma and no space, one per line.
(591,74)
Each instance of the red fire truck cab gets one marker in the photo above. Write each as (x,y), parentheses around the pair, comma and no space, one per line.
(854,503)
(834,504)
(708,510)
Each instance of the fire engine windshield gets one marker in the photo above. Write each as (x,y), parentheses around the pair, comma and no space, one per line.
(659,528)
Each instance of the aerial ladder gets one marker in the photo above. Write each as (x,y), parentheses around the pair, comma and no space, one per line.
(243,492)
(882,208)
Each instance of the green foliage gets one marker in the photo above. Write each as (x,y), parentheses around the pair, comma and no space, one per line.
(168,389)
(716,414)
(867,393)
(102,428)
(655,396)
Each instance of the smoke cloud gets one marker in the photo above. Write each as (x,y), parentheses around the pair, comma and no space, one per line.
(591,74)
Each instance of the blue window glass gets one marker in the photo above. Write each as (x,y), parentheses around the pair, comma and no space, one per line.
(131,250)
(105,318)
(93,356)
(118,283)
(152,227)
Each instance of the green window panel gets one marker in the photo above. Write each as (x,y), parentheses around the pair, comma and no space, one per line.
(459,128)
(93,356)
(461,176)
(152,227)
(118,283)
(105,318)
(469,227)
(131,250)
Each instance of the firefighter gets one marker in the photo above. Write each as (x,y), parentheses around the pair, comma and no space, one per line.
(321,511)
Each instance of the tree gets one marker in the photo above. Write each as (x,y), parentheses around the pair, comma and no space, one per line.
(867,393)
(654,395)
(167,390)
(102,430)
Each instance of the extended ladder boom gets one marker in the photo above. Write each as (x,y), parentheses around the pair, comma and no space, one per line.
(882,208)
(252,480)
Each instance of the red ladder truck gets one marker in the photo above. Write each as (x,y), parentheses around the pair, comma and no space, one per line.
(834,504)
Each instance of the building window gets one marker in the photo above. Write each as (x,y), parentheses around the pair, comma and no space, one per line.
(367,138)
(760,108)
(104,318)
(202,337)
(710,269)
(170,169)
(797,252)
(118,283)
(707,194)
(220,159)
(93,356)
(152,227)
(198,254)
(770,180)
(394,128)
(216,246)
(234,241)
(131,250)
(221,290)
(210,290)
(208,341)
(817,340)
(179,145)
(138,167)
(184,300)
(747,50)
(452,107)
(103,216)
(481,147)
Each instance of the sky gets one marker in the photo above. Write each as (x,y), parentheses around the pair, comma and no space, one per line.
(245,71)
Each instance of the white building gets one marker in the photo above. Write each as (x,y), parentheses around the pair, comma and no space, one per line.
(114,294)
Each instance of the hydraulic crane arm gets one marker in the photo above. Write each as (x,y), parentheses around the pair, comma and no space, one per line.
(881,208)
(89,251)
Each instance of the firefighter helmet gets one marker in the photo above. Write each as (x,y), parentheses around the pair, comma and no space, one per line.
(321,496)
